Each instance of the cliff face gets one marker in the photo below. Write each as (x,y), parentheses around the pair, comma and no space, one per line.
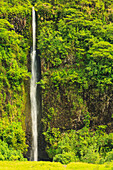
(76,50)
(75,45)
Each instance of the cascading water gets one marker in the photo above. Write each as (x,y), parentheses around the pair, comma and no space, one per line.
(33,91)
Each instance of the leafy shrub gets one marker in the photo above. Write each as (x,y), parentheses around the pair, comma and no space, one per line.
(109,156)
(9,154)
(13,135)
(92,155)
(88,146)
(52,137)
(65,158)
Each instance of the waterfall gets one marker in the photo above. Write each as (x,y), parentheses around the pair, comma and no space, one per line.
(33,91)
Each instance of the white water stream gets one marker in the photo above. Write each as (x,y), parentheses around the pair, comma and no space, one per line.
(33,91)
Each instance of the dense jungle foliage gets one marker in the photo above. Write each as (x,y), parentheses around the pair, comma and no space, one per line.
(14,48)
(75,40)
(75,44)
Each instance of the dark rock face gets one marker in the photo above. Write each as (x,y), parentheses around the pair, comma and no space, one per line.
(42,154)
(28,121)
(19,23)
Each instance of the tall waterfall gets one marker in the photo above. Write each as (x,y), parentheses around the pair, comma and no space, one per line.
(33,91)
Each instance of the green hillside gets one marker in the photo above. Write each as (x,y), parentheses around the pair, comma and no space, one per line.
(75,46)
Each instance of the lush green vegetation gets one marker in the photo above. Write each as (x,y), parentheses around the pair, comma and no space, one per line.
(14,48)
(77,55)
(84,146)
(75,41)
(75,44)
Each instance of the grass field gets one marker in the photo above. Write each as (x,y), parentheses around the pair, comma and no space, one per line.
(9,165)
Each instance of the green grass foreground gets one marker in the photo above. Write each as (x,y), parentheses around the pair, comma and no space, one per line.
(12,165)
